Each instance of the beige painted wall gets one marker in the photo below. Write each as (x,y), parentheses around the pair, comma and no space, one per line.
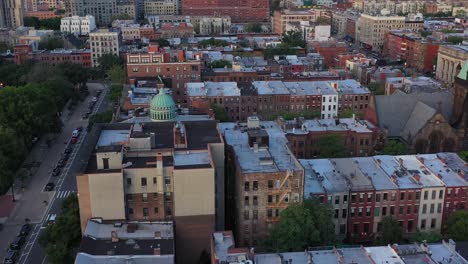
(84,202)
(194,192)
(217,154)
(136,174)
(107,195)
(115,159)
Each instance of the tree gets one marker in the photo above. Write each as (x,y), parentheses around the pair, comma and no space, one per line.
(74,73)
(106,61)
(293,39)
(347,113)
(220,64)
(103,117)
(62,237)
(51,43)
(331,146)
(32,22)
(457,225)
(377,88)
(253,27)
(301,226)
(212,42)
(115,92)
(274,5)
(220,114)
(51,23)
(424,33)
(455,40)
(122,16)
(162,42)
(429,237)
(460,13)
(117,74)
(463,155)
(394,147)
(392,232)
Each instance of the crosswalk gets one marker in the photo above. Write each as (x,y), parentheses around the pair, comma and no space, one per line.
(64,194)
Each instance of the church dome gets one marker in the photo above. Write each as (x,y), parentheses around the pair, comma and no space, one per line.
(162,107)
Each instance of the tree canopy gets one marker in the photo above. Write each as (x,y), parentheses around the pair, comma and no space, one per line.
(394,147)
(301,226)
(62,237)
(212,42)
(220,114)
(51,43)
(331,146)
(293,39)
(457,225)
(162,42)
(49,23)
(392,232)
(429,237)
(106,61)
(220,64)
(253,27)
(455,40)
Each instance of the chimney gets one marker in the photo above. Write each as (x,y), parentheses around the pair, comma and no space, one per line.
(157,251)
(114,237)
(421,159)
(417,177)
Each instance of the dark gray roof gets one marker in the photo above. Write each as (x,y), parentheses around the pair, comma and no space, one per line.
(418,118)
(394,111)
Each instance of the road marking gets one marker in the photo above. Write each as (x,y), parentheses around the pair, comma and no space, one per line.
(64,194)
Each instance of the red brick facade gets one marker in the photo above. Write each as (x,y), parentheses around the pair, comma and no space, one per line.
(239,10)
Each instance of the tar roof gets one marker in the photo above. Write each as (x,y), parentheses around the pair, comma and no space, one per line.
(349,169)
(445,253)
(450,177)
(84,258)
(342,124)
(392,167)
(250,160)
(127,247)
(375,173)
(191,159)
(321,176)
(415,167)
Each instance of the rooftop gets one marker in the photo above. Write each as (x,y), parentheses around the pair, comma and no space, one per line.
(272,158)
(321,176)
(190,159)
(224,248)
(450,177)
(84,258)
(317,125)
(213,89)
(414,85)
(383,254)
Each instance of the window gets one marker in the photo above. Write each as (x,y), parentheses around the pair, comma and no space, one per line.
(145,197)
(155,196)
(369,197)
(377,211)
(345,198)
(105,163)
(439,208)
(342,229)
(156,210)
(255,214)
(360,212)
(410,225)
(423,224)
(401,210)
(143,181)
(426,195)
(154,180)
(353,198)
(441,194)
(366,228)
(343,213)
(255,201)
(418,195)
(433,223)
(377,197)
(424,209)
(255,186)
(337,212)
(361,197)
(402,196)
(270,198)
(433,196)
(270,184)
(385,196)
(392,210)
(408,209)
(431,210)
(368,211)
(145,212)
(269,213)
(246,186)
(410,196)
(129,181)
(352,212)
(384,211)
(337,199)
(356,228)
(130,210)
(246,215)
(129,197)
(246,200)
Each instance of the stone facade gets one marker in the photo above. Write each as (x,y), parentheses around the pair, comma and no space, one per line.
(450,60)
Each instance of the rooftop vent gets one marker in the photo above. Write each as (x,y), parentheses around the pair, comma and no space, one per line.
(266,161)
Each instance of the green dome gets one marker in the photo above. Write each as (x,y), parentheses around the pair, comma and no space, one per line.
(162,107)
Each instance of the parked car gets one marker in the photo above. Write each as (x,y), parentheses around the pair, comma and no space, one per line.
(95,99)
(25,229)
(17,243)
(56,171)
(73,140)
(49,186)
(11,257)
(80,128)
(51,219)
(68,150)
(61,163)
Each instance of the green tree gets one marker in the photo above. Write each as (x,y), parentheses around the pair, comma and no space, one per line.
(122,16)
(394,147)
(331,146)
(220,64)
(74,73)
(274,5)
(293,39)
(61,238)
(463,155)
(347,113)
(425,33)
(288,115)
(220,114)
(106,61)
(212,42)
(455,40)
(32,22)
(392,232)
(51,23)
(115,92)
(51,43)
(103,117)
(457,225)
(117,74)
(429,237)
(460,13)
(162,42)
(253,27)
(377,88)
(301,226)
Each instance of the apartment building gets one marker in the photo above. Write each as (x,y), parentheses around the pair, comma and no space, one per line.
(281,18)
(53,57)
(204,25)
(370,30)
(102,11)
(438,7)
(161,170)
(103,42)
(157,7)
(177,30)
(360,137)
(239,11)
(329,50)
(172,66)
(78,25)
(132,32)
(450,60)
(265,177)
(11,13)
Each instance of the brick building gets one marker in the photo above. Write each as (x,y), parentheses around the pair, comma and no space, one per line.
(281,18)
(329,50)
(239,11)
(177,30)
(172,66)
(264,176)
(41,14)
(23,54)
(360,137)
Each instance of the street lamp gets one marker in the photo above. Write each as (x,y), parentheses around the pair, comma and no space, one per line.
(13,192)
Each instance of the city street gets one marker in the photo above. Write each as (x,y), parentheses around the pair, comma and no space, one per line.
(34,202)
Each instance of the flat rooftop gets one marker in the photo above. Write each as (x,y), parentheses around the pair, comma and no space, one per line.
(384,254)
(321,176)
(191,159)
(449,176)
(379,178)
(274,158)
(415,167)
(321,125)
(213,89)
(224,247)
(84,258)
(127,230)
